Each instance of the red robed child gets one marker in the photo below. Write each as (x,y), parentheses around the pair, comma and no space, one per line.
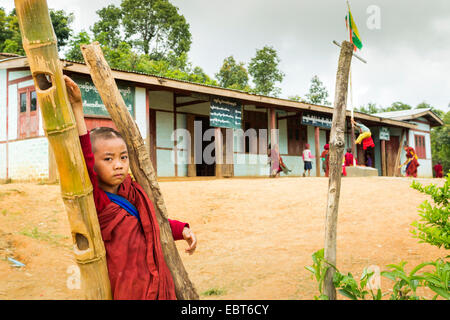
(136,266)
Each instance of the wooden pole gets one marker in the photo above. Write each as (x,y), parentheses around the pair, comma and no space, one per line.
(39,42)
(337,144)
(317,149)
(140,163)
(383,158)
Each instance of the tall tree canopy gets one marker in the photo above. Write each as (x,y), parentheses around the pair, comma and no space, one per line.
(440,143)
(233,75)
(264,71)
(107,29)
(318,93)
(11,39)
(155,27)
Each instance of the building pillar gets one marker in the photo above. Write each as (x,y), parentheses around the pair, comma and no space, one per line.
(219,151)
(383,158)
(316,140)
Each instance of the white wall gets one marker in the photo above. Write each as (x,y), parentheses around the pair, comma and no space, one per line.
(28,159)
(141,113)
(2,106)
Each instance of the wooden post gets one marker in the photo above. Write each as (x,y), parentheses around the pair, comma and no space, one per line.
(337,144)
(192,167)
(316,140)
(218,141)
(383,158)
(39,42)
(140,163)
(273,127)
(397,172)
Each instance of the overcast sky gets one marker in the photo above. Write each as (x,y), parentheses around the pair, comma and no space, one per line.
(407,48)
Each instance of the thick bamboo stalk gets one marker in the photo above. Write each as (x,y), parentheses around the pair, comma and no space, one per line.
(140,163)
(39,42)
(337,144)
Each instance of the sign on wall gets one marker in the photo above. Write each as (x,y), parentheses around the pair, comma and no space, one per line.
(310,119)
(225,113)
(92,102)
(384,133)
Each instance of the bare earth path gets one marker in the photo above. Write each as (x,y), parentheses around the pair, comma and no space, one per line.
(255,236)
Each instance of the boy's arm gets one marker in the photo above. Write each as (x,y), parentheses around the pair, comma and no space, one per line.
(177,228)
(74,93)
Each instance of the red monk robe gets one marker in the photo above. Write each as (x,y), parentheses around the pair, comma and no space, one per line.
(136,266)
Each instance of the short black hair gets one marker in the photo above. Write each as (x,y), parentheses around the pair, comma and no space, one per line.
(104,133)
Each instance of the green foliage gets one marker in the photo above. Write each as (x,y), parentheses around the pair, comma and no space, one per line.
(317,94)
(107,30)
(440,143)
(397,106)
(371,108)
(233,75)
(11,39)
(434,225)
(74,52)
(434,229)
(404,287)
(214,292)
(265,73)
(155,27)
(296,98)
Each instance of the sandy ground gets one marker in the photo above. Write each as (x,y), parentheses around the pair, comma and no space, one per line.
(255,236)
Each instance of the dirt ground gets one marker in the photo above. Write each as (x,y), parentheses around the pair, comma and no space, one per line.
(255,236)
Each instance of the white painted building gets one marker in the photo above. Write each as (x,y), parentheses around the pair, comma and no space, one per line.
(418,138)
(161,105)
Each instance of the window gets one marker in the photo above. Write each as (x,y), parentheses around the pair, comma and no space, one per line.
(28,119)
(254,121)
(419,141)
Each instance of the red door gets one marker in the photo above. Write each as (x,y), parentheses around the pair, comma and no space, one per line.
(28,122)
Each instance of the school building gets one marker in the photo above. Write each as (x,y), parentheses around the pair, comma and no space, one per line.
(160,105)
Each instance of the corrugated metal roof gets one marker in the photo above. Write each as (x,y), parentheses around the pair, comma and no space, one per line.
(401,113)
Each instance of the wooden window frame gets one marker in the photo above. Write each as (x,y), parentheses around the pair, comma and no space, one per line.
(420,146)
(23,133)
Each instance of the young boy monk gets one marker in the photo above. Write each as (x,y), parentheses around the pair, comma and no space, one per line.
(128,224)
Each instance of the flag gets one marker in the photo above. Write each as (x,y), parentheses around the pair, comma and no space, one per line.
(353,30)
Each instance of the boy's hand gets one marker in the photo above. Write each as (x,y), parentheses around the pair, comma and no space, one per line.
(189,236)
(74,93)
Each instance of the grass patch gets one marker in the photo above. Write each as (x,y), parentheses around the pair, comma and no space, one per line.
(43,236)
(214,292)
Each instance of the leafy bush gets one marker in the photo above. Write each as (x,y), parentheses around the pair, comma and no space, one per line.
(434,227)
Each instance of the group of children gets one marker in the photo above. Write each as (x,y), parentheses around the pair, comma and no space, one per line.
(277,164)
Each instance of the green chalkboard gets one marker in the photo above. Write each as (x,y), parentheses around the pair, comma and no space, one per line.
(92,102)
(225,113)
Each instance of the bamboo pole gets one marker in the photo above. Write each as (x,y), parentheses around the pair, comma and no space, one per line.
(39,42)
(140,163)
(337,144)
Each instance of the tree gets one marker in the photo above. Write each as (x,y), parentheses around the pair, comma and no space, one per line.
(425,105)
(318,94)
(397,106)
(155,27)
(296,98)
(440,143)
(61,25)
(107,30)
(265,73)
(11,38)
(370,109)
(233,75)
(74,52)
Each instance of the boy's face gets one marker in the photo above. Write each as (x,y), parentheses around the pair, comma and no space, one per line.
(111,162)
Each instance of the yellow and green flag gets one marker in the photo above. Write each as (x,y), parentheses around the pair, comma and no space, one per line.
(353,30)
